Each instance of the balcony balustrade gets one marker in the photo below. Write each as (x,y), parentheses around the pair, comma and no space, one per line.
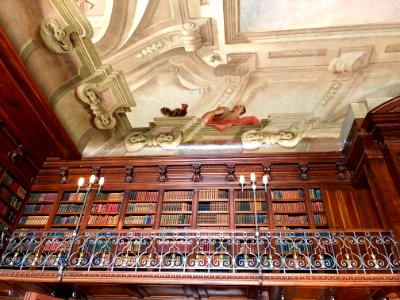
(209,252)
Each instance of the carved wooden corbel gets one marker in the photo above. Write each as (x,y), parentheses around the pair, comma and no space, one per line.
(196,176)
(128,174)
(231,173)
(17,153)
(341,168)
(163,173)
(267,170)
(96,172)
(303,167)
(64,171)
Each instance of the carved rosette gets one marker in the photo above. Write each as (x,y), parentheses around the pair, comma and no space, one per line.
(55,38)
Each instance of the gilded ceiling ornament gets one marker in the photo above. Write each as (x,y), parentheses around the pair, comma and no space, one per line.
(54,37)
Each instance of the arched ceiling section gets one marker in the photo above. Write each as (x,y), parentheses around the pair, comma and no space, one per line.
(293,77)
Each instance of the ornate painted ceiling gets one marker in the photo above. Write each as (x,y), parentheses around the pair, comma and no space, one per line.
(129,78)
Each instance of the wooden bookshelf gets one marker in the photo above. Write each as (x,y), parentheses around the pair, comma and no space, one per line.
(38,210)
(213,209)
(12,196)
(68,210)
(317,208)
(105,209)
(289,209)
(246,206)
(141,209)
(176,209)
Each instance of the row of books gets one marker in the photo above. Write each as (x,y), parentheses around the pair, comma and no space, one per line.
(7,196)
(287,219)
(249,206)
(176,206)
(6,212)
(141,207)
(56,246)
(250,218)
(103,220)
(178,195)
(315,193)
(65,220)
(176,219)
(131,220)
(213,218)
(293,246)
(213,206)
(212,227)
(110,196)
(289,206)
(12,185)
(143,195)
(213,194)
(70,207)
(34,220)
(73,196)
(109,207)
(42,197)
(317,206)
(249,194)
(320,219)
(41,208)
(287,194)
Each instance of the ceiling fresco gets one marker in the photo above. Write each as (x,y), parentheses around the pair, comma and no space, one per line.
(149,77)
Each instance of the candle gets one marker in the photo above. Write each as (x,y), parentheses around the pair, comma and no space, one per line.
(101,181)
(253,177)
(265,179)
(92,178)
(241,179)
(81,181)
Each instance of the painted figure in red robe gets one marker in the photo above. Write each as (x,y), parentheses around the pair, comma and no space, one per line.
(222,118)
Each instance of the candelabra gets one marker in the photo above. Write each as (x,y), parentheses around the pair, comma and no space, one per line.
(81,181)
(257,232)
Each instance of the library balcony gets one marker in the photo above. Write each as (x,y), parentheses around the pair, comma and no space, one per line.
(268,257)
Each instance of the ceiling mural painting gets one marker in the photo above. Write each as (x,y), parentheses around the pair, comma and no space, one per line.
(154,77)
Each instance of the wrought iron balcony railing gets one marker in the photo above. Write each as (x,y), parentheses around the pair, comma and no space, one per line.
(226,252)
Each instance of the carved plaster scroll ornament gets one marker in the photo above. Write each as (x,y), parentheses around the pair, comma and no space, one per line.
(349,61)
(135,142)
(254,139)
(168,141)
(103,118)
(54,37)
(191,37)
